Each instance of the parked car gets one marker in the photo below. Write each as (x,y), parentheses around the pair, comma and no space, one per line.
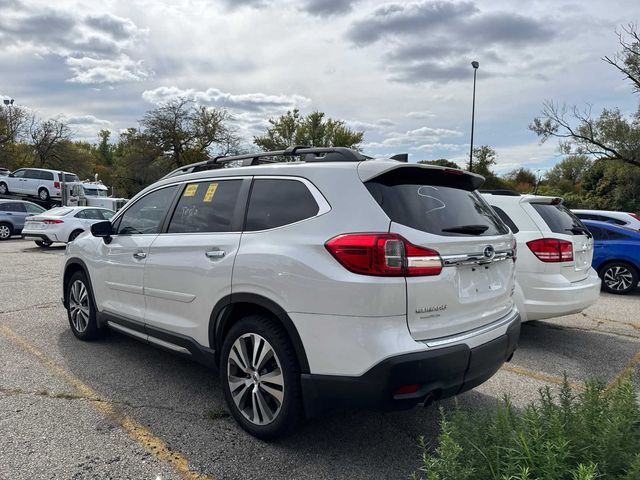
(13,214)
(37,182)
(623,219)
(617,256)
(63,224)
(4,172)
(330,283)
(553,272)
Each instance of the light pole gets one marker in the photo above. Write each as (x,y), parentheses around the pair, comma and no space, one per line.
(9,104)
(475,66)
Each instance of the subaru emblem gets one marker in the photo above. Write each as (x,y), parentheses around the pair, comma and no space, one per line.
(489,252)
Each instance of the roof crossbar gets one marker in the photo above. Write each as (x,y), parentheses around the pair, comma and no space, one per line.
(308,154)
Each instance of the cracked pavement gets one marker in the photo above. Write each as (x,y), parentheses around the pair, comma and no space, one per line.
(118,408)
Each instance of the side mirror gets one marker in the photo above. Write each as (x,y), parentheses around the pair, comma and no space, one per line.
(102,230)
(11,175)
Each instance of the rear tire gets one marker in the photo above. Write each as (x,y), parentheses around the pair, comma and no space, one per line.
(4,190)
(81,308)
(261,377)
(619,277)
(43,194)
(43,243)
(74,235)
(6,230)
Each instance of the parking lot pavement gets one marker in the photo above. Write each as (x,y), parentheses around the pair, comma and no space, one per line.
(121,409)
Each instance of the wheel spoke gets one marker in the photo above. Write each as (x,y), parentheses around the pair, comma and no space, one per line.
(233,356)
(266,414)
(277,394)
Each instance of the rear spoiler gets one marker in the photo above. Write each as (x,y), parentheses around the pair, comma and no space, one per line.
(386,170)
(542,200)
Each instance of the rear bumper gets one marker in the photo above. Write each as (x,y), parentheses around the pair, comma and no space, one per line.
(440,373)
(549,296)
(38,236)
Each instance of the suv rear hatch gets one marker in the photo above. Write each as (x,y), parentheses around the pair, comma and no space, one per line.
(439,209)
(567,227)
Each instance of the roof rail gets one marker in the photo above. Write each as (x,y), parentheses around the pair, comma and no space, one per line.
(503,191)
(308,154)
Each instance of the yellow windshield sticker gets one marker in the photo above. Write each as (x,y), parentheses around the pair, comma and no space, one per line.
(191,190)
(211,191)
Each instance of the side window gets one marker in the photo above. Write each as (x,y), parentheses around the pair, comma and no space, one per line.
(146,215)
(506,219)
(33,209)
(277,202)
(106,214)
(92,214)
(598,233)
(46,175)
(81,214)
(19,173)
(15,207)
(32,174)
(206,207)
(616,235)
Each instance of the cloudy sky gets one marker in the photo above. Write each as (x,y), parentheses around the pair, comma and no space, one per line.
(398,70)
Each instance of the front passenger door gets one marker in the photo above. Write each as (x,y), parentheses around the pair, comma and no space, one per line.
(118,273)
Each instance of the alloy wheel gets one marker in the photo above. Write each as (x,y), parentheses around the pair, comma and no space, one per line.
(5,232)
(44,195)
(79,308)
(618,278)
(3,189)
(255,379)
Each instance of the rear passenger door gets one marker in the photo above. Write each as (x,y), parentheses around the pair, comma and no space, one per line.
(190,263)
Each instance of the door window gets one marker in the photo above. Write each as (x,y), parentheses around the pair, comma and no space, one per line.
(33,209)
(206,207)
(106,214)
(278,202)
(598,233)
(35,174)
(89,214)
(506,219)
(13,207)
(145,216)
(19,173)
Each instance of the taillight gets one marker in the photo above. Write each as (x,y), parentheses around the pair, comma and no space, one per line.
(55,220)
(552,249)
(383,254)
(56,185)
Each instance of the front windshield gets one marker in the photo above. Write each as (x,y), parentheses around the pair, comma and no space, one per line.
(94,192)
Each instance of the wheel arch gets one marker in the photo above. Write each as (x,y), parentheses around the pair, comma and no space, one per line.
(72,266)
(624,260)
(233,307)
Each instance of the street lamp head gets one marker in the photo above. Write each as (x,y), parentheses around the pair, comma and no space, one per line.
(12,101)
(475,64)
(6,101)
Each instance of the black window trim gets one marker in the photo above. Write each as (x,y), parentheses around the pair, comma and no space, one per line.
(321,201)
(238,212)
(115,221)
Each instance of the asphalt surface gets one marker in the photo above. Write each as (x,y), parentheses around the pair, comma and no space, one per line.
(118,408)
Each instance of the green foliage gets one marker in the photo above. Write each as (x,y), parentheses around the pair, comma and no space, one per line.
(313,130)
(441,162)
(589,436)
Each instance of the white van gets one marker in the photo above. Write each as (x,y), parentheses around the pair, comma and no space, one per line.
(37,182)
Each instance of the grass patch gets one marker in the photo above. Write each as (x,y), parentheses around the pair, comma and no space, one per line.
(217,414)
(587,436)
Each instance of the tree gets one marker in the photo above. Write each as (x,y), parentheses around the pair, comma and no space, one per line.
(568,174)
(313,130)
(442,162)
(484,158)
(13,123)
(105,149)
(45,138)
(523,179)
(610,136)
(179,127)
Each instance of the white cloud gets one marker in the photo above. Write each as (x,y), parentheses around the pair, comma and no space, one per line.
(89,70)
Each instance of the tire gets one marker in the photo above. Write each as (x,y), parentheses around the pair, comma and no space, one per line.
(619,277)
(43,194)
(4,190)
(43,243)
(81,308)
(6,230)
(277,396)
(74,235)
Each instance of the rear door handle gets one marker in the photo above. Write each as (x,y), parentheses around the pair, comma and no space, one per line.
(139,255)
(215,253)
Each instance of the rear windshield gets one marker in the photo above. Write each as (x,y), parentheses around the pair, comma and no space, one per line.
(59,212)
(437,209)
(69,177)
(560,219)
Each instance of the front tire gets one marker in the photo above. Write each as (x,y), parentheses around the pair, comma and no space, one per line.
(261,377)
(5,231)
(43,194)
(4,190)
(81,308)
(619,278)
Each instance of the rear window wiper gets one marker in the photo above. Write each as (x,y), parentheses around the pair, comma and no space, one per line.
(470,229)
(578,230)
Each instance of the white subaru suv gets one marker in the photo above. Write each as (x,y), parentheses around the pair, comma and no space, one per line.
(331,282)
(553,275)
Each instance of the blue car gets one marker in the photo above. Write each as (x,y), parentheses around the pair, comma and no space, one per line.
(616,256)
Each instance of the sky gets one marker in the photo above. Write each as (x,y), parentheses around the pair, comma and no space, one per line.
(401,71)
